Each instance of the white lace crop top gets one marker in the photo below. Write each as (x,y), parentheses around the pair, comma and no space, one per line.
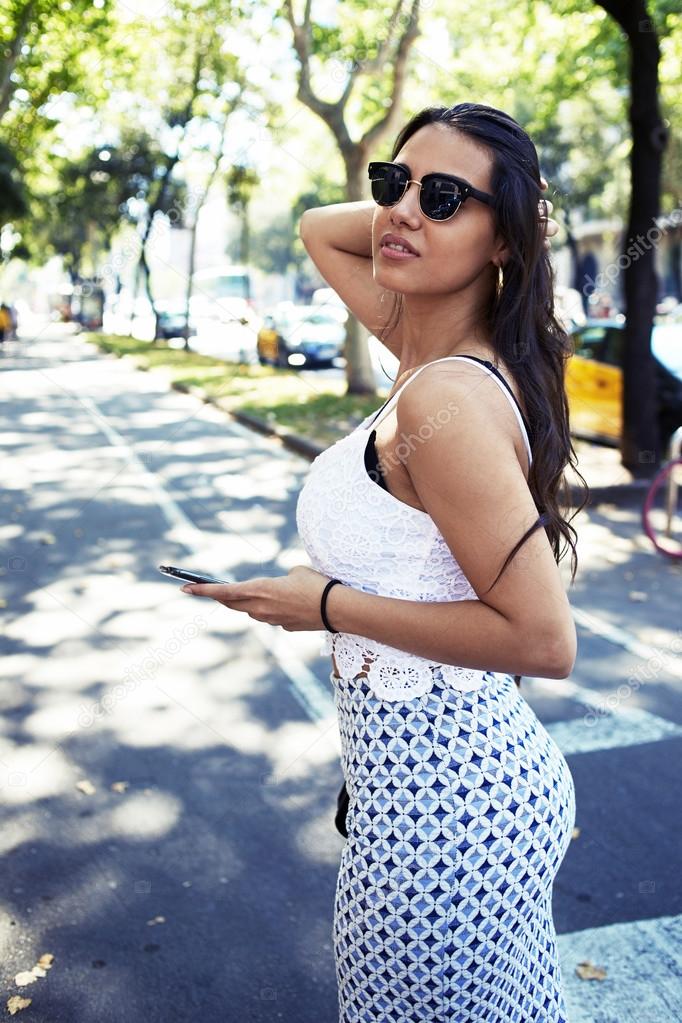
(358,532)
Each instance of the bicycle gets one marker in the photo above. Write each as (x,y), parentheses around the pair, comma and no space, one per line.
(662,510)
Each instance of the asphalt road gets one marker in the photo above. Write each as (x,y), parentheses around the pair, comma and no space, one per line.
(201,885)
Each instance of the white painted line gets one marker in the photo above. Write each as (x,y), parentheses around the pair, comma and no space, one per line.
(620,637)
(643,966)
(611,731)
(182,528)
(305,686)
(602,726)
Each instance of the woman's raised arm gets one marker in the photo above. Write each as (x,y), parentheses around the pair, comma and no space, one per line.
(338,239)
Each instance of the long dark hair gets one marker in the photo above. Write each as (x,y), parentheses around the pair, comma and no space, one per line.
(524,329)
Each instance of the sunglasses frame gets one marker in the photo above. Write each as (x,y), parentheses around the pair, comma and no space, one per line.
(467,190)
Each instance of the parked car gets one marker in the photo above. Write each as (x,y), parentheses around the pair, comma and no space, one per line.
(171,320)
(594,379)
(301,335)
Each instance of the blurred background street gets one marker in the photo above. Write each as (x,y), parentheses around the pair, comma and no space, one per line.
(170,361)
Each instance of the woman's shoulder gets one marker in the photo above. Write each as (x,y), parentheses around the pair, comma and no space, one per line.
(463,376)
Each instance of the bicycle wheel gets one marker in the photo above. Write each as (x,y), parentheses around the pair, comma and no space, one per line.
(662,511)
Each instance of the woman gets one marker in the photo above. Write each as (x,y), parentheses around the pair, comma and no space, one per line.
(461,806)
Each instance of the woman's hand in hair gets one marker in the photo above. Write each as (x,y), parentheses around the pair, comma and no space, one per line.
(546,207)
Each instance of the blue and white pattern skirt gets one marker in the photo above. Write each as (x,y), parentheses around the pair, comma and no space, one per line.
(461,810)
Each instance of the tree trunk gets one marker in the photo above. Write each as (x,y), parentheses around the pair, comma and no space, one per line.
(9,62)
(146,277)
(244,234)
(641,446)
(359,370)
(190,275)
(573,249)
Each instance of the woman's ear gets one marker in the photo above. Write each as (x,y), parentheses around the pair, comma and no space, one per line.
(500,253)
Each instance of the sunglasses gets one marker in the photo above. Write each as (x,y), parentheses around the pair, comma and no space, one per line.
(440,195)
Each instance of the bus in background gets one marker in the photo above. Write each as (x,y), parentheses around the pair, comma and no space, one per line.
(223,314)
(223,293)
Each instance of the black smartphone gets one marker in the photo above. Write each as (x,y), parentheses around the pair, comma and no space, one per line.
(188,577)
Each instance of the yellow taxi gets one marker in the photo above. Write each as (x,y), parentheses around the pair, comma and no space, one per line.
(594,379)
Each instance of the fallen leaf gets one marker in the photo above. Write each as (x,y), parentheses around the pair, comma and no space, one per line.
(16,1002)
(156,920)
(86,786)
(588,971)
(47,538)
(46,960)
(638,595)
(576,832)
(38,971)
(119,786)
(25,977)
(113,561)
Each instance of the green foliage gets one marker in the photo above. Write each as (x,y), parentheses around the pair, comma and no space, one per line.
(50,52)
(82,79)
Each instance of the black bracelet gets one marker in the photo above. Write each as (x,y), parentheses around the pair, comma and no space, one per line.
(323,604)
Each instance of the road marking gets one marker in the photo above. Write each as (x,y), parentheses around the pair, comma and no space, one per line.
(622,638)
(306,688)
(642,962)
(601,726)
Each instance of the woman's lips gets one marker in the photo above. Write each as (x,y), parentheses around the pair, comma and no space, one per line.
(390,253)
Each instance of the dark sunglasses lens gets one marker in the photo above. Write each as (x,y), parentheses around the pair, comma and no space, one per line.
(388,184)
(440,198)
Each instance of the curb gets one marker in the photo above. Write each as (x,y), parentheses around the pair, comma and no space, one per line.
(292,441)
(624,495)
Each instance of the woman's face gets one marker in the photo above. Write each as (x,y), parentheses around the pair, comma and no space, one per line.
(452,253)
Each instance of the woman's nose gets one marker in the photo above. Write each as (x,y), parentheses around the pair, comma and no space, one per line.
(407,207)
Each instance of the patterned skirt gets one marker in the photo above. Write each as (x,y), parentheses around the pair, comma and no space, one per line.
(461,810)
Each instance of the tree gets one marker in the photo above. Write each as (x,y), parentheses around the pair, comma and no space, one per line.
(241,183)
(88,199)
(640,442)
(44,46)
(200,196)
(360,45)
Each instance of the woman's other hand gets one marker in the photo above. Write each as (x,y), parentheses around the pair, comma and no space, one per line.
(545,208)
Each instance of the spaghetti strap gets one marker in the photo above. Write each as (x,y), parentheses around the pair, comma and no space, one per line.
(497,377)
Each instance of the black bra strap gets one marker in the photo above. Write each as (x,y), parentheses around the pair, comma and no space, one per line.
(497,373)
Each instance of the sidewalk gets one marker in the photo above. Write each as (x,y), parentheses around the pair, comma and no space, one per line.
(609,481)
